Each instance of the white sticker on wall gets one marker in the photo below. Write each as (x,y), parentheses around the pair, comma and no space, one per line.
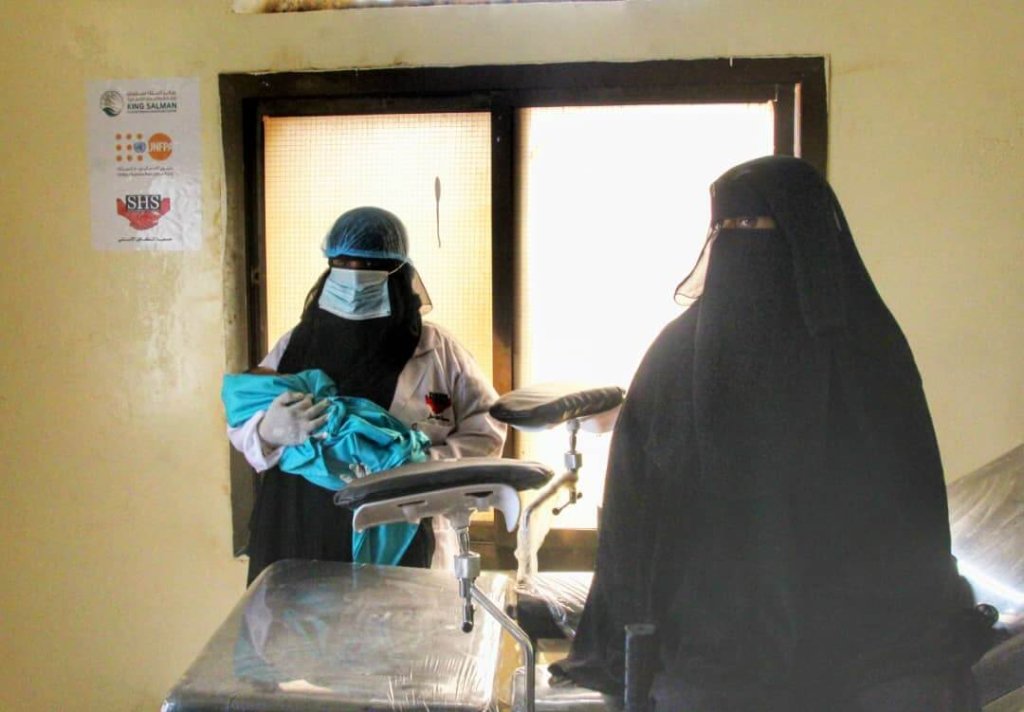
(145,164)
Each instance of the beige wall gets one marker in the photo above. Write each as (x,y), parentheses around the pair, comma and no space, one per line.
(115,515)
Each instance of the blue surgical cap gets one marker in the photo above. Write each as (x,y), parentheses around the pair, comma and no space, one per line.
(373,233)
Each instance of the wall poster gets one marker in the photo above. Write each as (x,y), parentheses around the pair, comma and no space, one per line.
(145,168)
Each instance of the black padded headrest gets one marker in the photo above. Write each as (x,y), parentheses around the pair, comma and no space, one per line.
(442,474)
(549,404)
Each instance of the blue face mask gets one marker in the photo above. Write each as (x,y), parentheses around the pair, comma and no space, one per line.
(356,294)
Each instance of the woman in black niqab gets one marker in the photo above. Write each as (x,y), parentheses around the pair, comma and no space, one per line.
(775,501)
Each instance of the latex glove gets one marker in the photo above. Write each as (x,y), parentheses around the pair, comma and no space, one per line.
(291,419)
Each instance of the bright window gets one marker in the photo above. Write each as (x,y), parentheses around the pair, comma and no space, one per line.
(613,211)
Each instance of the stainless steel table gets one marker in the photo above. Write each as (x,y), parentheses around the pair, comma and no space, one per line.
(339,637)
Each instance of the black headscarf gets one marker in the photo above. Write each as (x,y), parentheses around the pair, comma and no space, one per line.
(774,500)
(362,357)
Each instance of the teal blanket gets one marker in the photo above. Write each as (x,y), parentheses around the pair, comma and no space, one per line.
(358,438)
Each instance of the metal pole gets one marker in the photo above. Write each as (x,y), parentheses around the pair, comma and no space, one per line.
(529,663)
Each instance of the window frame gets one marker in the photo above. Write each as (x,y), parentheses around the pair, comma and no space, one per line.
(797,85)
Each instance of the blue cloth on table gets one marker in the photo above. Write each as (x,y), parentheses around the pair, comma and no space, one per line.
(357,432)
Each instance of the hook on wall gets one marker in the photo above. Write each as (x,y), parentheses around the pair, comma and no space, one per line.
(437,207)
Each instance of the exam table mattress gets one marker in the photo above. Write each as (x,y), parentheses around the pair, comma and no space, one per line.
(339,637)
(549,603)
(986,516)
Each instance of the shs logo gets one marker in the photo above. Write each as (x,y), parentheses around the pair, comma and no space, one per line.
(143,210)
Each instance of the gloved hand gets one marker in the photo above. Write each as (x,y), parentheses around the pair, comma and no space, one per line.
(291,419)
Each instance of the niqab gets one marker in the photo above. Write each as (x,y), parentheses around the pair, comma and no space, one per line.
(774,501)
(363,358)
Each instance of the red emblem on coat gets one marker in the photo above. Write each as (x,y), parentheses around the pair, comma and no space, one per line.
(438,403)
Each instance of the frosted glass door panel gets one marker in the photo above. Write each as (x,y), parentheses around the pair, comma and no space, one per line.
(318,167)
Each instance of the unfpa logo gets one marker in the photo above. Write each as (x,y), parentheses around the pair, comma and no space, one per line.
(132,147)
(160,147)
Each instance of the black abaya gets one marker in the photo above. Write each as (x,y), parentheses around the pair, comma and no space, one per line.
(775,501)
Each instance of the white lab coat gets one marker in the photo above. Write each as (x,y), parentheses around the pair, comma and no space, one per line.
(440,372)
